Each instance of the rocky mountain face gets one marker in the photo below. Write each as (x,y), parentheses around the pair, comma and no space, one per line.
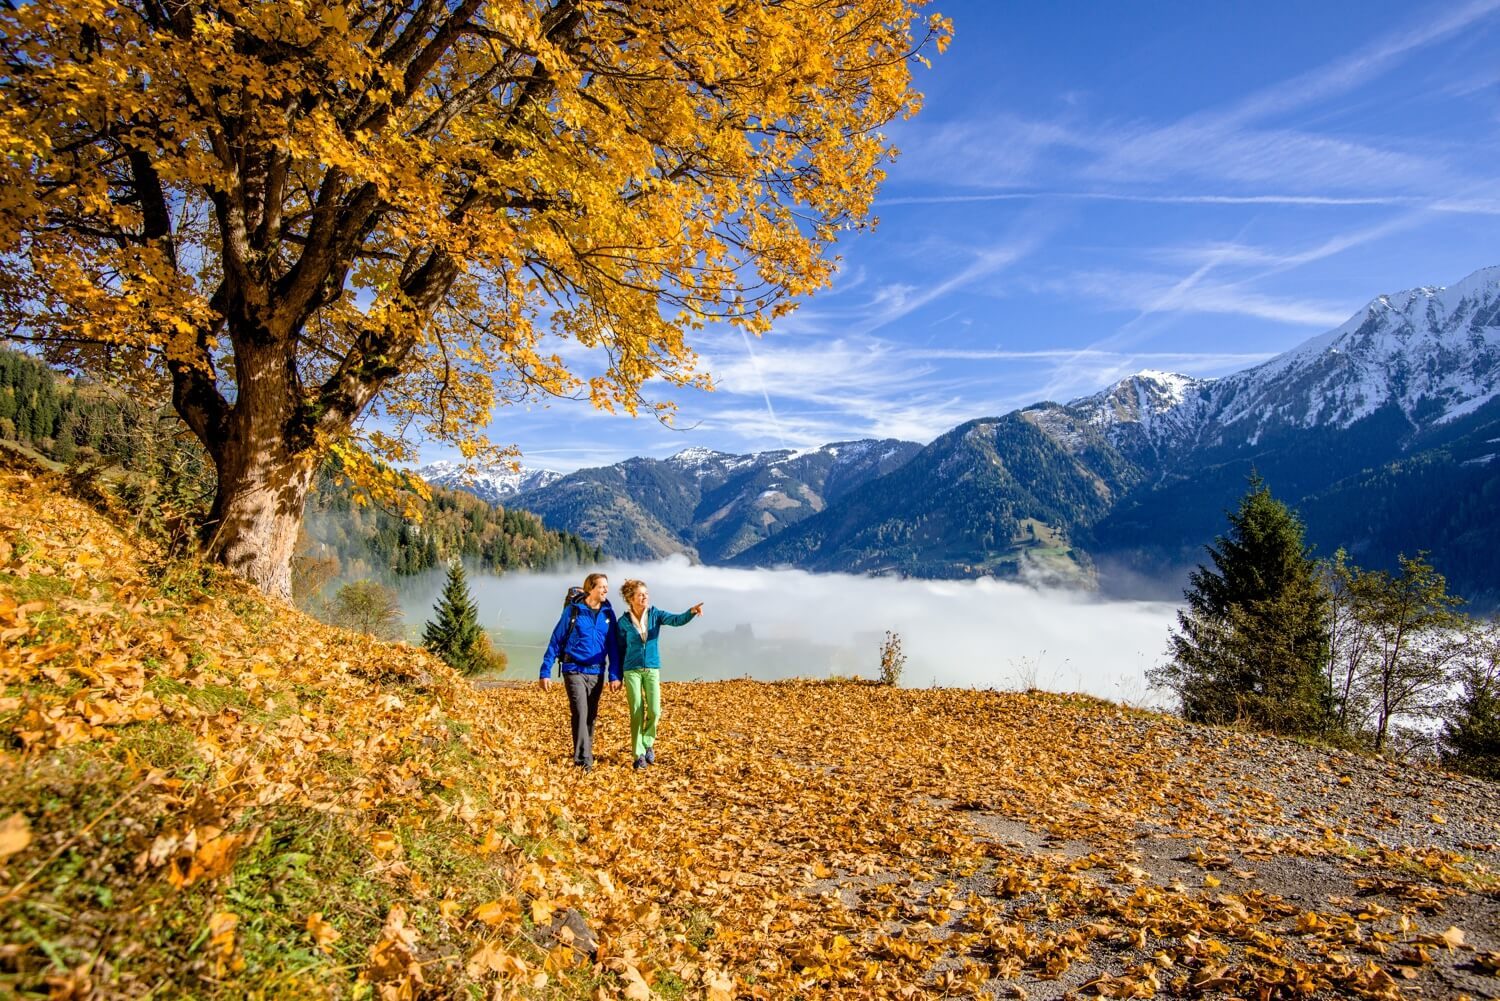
(1381,432)
(495,485)
(708,505)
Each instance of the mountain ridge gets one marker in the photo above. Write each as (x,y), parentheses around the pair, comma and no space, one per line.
(705,504)
(494,484)
(1144,468)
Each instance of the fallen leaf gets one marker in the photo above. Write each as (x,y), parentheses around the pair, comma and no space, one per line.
(495,912)
(15,835)
(323,933)
(384,844)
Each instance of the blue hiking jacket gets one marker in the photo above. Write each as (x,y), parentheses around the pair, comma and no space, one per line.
(636,652)
(591,645)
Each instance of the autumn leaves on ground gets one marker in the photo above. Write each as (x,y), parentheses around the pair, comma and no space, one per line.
(209,795)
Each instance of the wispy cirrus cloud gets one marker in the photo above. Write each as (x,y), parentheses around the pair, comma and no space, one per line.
(813,370)
(1120,196)
(1149,293)
(1189,362)
(810,428)
(1220,254)
(1349,72)
(1228,143)
(900,300)
(1001,151)
(1226,152)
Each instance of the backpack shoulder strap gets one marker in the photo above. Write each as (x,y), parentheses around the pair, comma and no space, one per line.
(562,648)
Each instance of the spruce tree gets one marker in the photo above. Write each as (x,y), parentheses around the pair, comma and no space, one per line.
(454,634)
(1252,645)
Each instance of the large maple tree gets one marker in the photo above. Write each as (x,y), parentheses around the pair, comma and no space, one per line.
(300,215)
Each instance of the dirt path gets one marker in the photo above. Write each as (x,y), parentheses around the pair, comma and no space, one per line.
(1356,876)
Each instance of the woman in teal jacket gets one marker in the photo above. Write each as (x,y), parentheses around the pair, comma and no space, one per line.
(638,630)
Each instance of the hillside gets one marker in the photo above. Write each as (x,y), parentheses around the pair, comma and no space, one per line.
(208,795)
(155,465)
(366,540)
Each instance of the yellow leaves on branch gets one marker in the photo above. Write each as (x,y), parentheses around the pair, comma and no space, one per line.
(408,202)
(378,481)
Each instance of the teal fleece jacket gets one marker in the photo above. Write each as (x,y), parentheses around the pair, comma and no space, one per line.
(636,652)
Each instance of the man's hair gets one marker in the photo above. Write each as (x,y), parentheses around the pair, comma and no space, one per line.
(592,579)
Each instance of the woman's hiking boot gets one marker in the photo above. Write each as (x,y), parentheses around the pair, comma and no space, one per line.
(640,762)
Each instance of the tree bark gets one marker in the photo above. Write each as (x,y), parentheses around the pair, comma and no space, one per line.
(265,460)
(257,512)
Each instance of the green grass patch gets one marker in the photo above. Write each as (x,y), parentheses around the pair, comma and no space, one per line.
(170,747)
(37,587)
(184,580)
(211,698)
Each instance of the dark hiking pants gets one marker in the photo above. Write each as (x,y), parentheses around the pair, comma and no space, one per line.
(583,706)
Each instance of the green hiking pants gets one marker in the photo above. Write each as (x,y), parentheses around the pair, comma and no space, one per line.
(643,692)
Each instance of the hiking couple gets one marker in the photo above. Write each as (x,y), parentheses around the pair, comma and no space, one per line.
(589,645)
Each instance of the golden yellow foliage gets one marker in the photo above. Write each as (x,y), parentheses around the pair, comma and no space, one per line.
(300,214)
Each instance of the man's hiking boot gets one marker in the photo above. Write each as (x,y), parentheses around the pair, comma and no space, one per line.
(641,762)
(650,755)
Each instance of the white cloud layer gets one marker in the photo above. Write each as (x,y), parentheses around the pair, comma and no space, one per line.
(771,624)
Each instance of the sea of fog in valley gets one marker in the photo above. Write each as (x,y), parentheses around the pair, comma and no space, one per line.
(771,624)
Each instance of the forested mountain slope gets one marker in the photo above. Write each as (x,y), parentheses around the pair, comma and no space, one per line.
(709,505)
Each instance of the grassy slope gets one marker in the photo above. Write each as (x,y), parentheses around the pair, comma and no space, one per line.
(209,795)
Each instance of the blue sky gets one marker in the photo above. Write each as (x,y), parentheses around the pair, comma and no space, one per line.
(1093,189)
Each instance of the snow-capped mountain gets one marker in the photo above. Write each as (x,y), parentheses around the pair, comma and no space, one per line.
(1143,398)
(495,485)
(705,503)
(1140,415)
(1434,353)
(1431,353)
(1382,431)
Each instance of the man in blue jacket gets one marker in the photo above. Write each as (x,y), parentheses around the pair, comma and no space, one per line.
(583,645)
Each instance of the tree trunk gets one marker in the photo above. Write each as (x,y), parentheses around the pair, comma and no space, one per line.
(265,462)
(257,513)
